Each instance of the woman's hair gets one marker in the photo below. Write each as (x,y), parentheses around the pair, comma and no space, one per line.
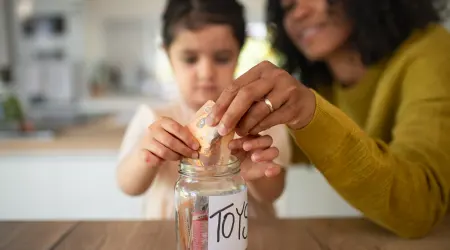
(195,14)
(379,27)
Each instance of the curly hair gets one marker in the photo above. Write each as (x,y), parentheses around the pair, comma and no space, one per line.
(379,27)
(195,14)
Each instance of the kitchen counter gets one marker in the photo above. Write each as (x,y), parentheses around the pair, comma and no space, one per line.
(102,134)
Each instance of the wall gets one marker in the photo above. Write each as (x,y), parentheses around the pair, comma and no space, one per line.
(149,12)
(3,41)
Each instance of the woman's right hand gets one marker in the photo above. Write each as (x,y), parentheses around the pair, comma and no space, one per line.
(167,140)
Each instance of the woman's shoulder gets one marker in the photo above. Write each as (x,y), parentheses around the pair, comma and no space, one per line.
(431,43)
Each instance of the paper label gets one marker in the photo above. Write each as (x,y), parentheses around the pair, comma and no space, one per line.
(227,224)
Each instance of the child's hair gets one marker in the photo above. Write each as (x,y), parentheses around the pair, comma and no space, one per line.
(195,14)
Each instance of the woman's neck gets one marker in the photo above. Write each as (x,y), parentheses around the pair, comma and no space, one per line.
(346,67)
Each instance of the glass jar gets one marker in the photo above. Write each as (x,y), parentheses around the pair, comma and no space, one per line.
(211,207)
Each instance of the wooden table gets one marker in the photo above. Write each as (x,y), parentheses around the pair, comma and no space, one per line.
(304,234)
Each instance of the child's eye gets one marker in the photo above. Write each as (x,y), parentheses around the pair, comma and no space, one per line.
(222,59)
(190,60)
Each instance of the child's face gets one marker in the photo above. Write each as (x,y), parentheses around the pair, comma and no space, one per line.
(204,62)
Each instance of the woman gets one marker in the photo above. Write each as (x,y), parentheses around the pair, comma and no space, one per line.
(376,122)
(203,39)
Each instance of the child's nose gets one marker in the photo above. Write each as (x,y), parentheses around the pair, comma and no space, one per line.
(206,70)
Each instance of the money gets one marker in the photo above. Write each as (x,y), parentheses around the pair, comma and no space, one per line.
(184,223)
(213,147)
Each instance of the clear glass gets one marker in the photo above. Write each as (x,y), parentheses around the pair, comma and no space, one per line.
(192,191)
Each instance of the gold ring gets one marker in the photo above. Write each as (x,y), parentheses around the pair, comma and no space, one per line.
(269,104)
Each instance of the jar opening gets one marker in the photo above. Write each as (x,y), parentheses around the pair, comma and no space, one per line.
(218,170)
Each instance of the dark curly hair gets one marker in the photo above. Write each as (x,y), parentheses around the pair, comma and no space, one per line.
(195,14)
(379,27)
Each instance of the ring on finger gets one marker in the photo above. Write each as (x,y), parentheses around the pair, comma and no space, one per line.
(268,104)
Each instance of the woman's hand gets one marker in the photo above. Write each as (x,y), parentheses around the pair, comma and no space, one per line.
(243,106)
(167,140)
(257,156)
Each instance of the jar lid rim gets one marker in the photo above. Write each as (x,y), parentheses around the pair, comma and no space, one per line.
(233,166)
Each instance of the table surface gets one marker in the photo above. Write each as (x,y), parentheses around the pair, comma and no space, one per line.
(289,234)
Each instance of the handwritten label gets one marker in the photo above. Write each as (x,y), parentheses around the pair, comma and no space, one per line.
(227,224)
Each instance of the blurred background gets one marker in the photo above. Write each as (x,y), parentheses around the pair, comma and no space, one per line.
(72,73)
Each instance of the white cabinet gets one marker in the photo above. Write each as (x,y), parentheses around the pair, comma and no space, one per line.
(63,186)
(308,194)
(83,186)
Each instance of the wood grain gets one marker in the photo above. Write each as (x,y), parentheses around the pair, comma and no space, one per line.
(33,235)
(120,235)
(292,234)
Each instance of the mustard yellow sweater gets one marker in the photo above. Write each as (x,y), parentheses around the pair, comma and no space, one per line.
(384,144)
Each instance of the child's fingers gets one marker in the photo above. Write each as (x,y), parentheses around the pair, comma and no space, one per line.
(269,154)
(174,144)
(161,151)
(261,142)
(151,159)
(180,132)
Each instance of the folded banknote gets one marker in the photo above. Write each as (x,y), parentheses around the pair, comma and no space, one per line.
(213,147)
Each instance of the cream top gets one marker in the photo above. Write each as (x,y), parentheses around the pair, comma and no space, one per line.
(159,198)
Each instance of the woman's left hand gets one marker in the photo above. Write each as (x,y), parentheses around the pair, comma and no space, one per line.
(257,156)
(261,98)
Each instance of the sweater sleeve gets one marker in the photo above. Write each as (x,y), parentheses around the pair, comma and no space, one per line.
(404,185)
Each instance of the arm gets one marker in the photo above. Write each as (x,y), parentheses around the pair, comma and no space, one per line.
(134,176)
(149,144)
(403,186)
(269,189)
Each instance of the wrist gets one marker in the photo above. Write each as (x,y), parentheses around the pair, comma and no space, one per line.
(308,102)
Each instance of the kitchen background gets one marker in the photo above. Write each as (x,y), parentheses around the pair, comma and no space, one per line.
(79,69)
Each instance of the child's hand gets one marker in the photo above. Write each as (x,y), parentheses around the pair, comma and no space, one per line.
(167,140)
(257,156)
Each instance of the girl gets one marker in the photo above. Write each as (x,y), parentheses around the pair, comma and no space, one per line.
(202,39)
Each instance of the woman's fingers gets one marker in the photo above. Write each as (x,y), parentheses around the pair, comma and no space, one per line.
(260,110)
(296,113)
(266,155)
(172,143)
(259,170)
(260,142)
(221,110)
(180,132)
(244,99)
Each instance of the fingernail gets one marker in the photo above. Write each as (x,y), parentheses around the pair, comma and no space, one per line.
(195,146)
(247,146)
(195,155)
(222,129)
(255,157)
(210,120)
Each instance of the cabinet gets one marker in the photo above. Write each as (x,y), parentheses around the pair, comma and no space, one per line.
(82,185)
(63,186)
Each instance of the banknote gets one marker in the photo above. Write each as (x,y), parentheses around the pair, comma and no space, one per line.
(213,147)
